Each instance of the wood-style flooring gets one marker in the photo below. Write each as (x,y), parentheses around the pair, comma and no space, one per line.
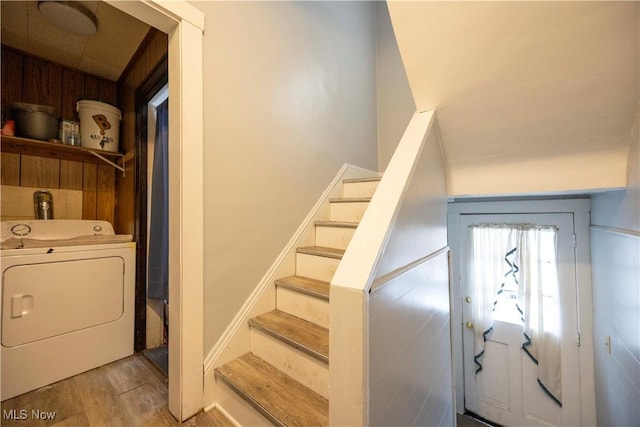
(128,393)
(469,421)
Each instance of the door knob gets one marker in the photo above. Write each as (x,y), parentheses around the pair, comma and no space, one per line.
(469,325)
(468,300)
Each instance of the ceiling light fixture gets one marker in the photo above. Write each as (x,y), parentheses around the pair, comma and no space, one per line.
(70,16)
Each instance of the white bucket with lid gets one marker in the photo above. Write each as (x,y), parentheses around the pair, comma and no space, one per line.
(99,125)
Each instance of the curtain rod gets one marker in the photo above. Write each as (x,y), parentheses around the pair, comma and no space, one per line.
(518,226)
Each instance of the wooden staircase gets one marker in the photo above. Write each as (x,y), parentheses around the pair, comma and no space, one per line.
(284,380)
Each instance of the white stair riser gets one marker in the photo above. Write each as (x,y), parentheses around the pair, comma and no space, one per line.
(304,306)
(316,267)
(307,370)
(334,237)
(238,408)
(347,211)
(359,189)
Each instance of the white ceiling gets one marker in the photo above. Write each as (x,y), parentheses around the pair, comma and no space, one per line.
(104,54)
(525,89)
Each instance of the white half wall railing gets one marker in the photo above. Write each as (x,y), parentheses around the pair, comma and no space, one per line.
(390,348)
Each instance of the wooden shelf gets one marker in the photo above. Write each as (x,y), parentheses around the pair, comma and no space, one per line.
(34,147)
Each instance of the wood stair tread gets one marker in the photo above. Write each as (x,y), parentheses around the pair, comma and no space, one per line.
(340,224)
(365,179)
(322,251)
(278,397)
(304,335)
(350,200)
(306,285)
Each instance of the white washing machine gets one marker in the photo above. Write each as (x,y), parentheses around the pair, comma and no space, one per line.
(68,291)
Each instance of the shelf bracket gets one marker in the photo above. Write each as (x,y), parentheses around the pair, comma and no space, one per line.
(104,159)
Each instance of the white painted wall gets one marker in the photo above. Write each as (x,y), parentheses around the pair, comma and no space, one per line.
(616,298)
(394,97)
(621,209)
(289,97)
(410,375)
(421,222)
(410,371)
(395,252)
(615,257)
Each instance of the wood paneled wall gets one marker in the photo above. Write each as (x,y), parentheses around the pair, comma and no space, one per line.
(29,79)
(151,51)
(106,195)
(26,78)
(96,181)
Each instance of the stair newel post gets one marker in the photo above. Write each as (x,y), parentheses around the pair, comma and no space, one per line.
(348,344)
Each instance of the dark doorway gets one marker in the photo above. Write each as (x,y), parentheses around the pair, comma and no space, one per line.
(156,80)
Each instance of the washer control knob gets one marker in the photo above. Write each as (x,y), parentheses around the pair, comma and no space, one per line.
(21,229)
(97,228)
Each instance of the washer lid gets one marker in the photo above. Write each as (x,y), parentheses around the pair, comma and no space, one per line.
(55,228)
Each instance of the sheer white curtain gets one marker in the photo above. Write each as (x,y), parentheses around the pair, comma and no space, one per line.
(491,257)
(539,300)
(519,260)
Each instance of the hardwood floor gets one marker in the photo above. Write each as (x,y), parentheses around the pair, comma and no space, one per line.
(129,392)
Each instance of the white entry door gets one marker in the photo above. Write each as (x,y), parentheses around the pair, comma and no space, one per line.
(506,390)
